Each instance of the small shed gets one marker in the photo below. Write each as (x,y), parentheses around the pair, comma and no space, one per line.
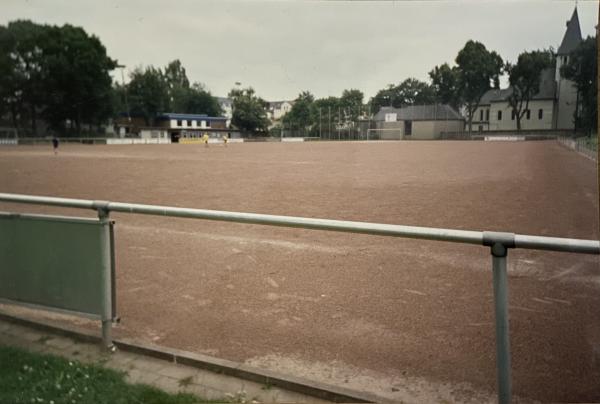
(423,122)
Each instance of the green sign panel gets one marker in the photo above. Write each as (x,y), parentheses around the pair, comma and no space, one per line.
(55,262)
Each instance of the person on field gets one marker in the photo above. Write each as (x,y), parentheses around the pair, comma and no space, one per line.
(225,139)
(55,144)
(205,139)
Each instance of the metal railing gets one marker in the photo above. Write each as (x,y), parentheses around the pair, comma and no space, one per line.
(582,145)
(498,242)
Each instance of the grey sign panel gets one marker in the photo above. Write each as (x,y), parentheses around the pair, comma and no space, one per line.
(54,262)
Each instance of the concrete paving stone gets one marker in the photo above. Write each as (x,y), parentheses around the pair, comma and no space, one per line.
(5,337)
(154,365)
(212,394)
(33,336)
(60,343)
(37,348)
(14,341)
(221,382)
(121,360)
(168,384)
(4,326)
(284,396)
(86,353)
(135,376)
(85,359)
(194,388)
(50,350)
(15,330)
(178,371)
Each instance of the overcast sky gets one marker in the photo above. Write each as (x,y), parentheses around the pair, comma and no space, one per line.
(283,47)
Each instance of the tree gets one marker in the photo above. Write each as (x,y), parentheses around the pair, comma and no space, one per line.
(326,109)
(186,99)
(178,86)
(477,69)
(154,91)
(301,116)
(79,86)
(7,67)
(525,78)
(444,81)
(148,93)
(410,92)
(249,114)
(385,98)
(582,69)
(60,72)
(175,75)
(351,103)
(198,100)
(415,92)
(23,71)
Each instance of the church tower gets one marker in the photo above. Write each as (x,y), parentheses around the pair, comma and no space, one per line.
(566,93)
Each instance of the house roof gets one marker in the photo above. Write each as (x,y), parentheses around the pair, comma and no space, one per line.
(171,115)
(572,36)
(434,112)
(495,94)
(278,104)
(547,90)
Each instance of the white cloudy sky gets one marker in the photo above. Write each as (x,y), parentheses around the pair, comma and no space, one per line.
(283,47)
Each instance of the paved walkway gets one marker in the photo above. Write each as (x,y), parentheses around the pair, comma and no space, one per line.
(168,376)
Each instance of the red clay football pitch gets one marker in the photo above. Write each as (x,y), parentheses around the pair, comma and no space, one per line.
(400,318)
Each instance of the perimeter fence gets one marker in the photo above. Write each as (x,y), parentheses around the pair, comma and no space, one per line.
(587,146)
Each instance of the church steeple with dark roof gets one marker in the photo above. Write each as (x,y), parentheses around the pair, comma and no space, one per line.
(572,36)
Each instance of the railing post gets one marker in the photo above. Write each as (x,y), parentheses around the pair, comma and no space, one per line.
(499,244)
(499,257)
(106,284)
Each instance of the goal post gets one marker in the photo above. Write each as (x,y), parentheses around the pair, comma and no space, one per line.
(8,135)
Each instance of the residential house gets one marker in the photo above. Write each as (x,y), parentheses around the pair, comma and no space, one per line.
(277,109)
(226,105)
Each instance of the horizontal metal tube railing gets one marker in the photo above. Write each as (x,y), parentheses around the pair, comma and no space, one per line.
(557,244)
(415,232)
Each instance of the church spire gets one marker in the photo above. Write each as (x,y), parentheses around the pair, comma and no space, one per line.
(572,36)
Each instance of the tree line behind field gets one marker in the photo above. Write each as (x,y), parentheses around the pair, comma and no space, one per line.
(462,86)
(61,75)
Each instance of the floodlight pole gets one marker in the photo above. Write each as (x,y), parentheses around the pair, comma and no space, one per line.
(329,124)
(319,122)
(125,89)
(339,120)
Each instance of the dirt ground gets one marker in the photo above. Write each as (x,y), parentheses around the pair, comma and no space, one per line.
(405,319)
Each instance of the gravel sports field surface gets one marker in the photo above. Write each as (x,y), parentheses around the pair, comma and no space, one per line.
(404,319)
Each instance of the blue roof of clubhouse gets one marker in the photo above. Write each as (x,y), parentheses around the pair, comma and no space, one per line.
(203,117)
